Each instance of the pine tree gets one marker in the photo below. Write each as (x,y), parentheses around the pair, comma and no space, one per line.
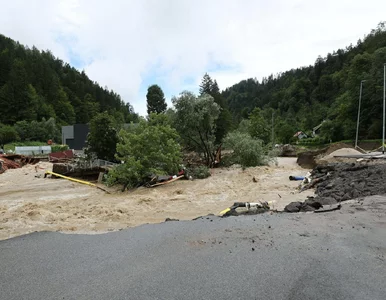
(215,89)
(224,121)
(18,99)
(206,85)
(155,100)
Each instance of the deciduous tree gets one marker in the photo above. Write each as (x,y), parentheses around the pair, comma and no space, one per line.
(150,147)
(195,120)
(103,137)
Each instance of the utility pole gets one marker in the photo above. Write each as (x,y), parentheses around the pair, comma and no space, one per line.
(359,113)
(384,100)
(273,143)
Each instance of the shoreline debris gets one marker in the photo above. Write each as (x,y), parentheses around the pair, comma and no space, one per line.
(15,161)
(252,207)
(75,180)
(339,182)
(164,182)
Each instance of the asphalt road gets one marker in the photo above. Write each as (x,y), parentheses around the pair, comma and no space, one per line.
(335,255)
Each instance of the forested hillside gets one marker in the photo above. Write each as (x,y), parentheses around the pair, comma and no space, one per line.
(35,85)
(329,90)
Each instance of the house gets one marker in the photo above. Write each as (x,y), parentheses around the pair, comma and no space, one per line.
(75,136)
(300,135)
(316,129)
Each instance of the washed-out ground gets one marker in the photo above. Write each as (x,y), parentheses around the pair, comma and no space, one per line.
(29,202)
(338,255)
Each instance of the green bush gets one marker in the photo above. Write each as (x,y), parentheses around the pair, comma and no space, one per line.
(199,172)
(59,148)
(7,134)
(38,131)
(247,151)
(149,148)
(312,141)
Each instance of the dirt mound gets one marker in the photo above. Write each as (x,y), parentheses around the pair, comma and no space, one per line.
(332,148)
(333,157)
(343,151)
(341,181)
(310,159)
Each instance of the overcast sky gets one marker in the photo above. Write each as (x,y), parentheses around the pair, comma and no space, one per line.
(128,45)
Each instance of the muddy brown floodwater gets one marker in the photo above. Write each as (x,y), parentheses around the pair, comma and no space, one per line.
(29,202)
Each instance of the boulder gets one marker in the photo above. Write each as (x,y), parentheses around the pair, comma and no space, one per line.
(293,207)
(313,203)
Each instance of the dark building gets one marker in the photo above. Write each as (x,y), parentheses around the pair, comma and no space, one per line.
(75,136)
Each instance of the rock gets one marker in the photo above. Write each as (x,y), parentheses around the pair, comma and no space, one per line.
(293,207)
(287,150)
(313,203)
(307,208)
(354,194)
(327,201)
(170,220)
(307,159)
(345,197)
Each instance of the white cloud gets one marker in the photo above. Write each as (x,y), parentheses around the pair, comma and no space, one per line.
(125,44)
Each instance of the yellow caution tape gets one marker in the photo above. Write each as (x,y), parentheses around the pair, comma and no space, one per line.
(72,179)
(224,211)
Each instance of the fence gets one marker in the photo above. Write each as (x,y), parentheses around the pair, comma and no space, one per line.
(32,150)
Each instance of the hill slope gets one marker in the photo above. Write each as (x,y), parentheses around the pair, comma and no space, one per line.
(34,84)
(328,90)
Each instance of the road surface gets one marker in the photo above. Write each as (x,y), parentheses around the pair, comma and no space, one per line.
(335,255)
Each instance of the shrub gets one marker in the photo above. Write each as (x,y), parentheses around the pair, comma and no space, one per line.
(199,172)
(312,141)
(102,138)
(149,148)
(247,151)
(7,134)
(59,148)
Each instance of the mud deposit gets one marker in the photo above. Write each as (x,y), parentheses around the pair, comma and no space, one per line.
(29,202)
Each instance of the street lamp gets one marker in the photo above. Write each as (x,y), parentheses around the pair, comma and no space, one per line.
(359,113)
(383,127)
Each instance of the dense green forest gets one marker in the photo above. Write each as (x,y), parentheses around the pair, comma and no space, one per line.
(39,91)
(36,85)
(302,98)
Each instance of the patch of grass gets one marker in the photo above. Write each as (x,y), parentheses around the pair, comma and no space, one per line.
(59,148)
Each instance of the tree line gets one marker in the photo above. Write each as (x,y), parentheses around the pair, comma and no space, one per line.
(302,98)
(35,85)
(201,123)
